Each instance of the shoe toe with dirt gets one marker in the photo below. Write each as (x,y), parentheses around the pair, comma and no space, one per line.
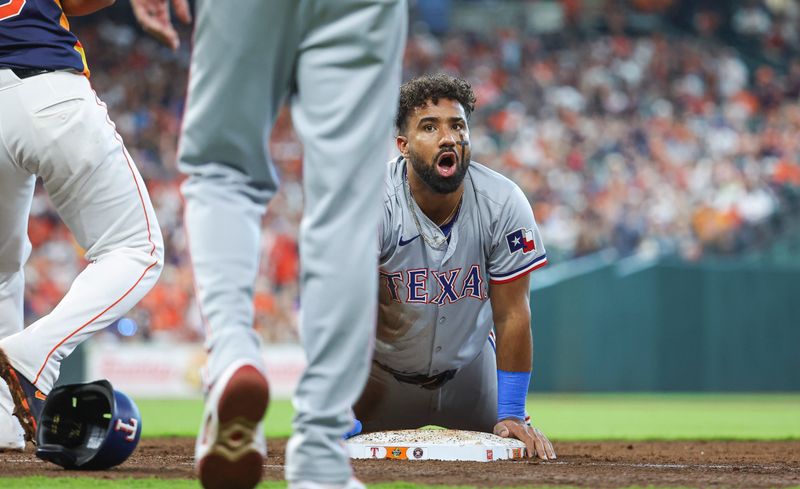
(26,400)
(230,449)
(12,436)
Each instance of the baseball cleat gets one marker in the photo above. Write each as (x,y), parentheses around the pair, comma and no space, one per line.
(353,483)
(27,399)
(231,447)
(12,436)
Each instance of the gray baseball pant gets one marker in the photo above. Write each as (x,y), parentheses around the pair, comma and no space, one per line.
(339,62)
(467,402)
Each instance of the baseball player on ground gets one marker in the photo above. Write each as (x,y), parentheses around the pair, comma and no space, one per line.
(338,62)
(457,244)
(52,125)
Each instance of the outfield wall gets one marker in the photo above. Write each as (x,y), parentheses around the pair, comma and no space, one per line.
(171,370)
(632,325)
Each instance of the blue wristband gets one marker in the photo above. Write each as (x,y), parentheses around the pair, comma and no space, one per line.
(512,389)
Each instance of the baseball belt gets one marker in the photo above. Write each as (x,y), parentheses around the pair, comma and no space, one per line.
(23,73)
(423,381)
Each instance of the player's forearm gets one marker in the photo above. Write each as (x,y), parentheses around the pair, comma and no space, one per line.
(511,313)
(514,342)
(74,8)
(514,356)
(513,369)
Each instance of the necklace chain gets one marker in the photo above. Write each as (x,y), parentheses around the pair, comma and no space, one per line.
(452,213)
(433,243)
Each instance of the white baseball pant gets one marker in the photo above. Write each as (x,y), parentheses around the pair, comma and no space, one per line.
(53,126)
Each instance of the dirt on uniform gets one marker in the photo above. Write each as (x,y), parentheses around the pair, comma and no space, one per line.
(735,464)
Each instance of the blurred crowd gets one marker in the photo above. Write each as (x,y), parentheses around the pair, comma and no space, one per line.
(644,143)
(773,25)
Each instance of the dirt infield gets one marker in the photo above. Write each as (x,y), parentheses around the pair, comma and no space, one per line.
(592,464)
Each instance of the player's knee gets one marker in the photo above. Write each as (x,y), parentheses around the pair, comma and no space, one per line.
(158,256)
(150,253)
(158,248)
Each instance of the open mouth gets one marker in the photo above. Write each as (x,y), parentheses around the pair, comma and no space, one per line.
(446,163)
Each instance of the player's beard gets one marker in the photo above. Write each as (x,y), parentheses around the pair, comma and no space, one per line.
(428,174)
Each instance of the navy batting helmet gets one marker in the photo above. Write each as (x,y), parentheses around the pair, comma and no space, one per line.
(88,426)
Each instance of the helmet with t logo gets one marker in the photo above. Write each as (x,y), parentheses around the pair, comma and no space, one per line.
(88,426)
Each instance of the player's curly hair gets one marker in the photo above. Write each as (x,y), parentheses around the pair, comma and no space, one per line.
(415,93)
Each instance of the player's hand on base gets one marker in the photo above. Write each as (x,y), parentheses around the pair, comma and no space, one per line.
(535,441)
(153,16)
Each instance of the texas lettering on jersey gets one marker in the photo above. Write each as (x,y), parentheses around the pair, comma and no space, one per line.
(412,286)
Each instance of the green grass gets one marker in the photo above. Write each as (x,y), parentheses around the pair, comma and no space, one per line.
(182,417)
(668,416)
(87,483)
(576,416)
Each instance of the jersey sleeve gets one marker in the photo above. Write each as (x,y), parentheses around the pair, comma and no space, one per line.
(517,247)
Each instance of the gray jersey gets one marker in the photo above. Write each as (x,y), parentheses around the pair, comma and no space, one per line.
(434,312)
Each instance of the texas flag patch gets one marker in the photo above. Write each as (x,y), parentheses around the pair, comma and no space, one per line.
(521,239)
